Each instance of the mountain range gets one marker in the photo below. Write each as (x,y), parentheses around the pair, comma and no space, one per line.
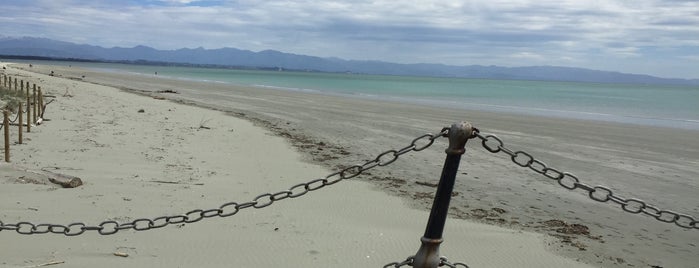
(12,47)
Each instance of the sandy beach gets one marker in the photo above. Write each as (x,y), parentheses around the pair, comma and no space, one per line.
(215,143)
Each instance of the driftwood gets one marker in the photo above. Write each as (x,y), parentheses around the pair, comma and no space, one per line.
(176,182)
(48,264)
(43,108)
(66,181)
(167,182)
(121,254)
(72,183)
(428,184)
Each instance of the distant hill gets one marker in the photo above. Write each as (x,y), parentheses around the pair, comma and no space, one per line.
(42,47)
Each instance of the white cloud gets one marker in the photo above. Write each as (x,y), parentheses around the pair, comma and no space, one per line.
(448,31)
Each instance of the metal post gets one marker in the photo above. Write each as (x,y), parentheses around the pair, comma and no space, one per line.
(428,254)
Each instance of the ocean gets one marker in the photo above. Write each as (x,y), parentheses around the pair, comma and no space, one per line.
(653,105)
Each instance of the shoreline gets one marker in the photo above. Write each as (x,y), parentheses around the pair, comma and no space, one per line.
(594,117)
(472,201)
(577,115)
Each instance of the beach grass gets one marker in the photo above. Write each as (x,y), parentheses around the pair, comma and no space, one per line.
(10,99)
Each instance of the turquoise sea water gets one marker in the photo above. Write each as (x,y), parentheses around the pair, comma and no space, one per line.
(656,105)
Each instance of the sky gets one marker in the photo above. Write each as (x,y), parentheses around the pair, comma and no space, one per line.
(654,37)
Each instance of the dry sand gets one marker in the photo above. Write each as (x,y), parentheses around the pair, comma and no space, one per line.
(98,135)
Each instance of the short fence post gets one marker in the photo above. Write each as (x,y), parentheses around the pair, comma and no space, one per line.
(19,122)
(6,127)
(41,104)
(29,113)
(428,254)
(34,102)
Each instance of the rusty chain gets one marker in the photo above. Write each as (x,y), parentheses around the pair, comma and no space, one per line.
(598,193)
(409,262)
(110,227)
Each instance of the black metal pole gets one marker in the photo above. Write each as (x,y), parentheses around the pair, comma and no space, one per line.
(428,254)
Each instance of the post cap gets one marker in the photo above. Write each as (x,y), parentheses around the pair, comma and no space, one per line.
(459,133)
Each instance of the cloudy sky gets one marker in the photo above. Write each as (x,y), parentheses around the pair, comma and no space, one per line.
(656,37)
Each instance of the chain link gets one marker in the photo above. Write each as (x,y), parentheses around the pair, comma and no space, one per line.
(406,262)
(443,261)
(598,193)
(110,227)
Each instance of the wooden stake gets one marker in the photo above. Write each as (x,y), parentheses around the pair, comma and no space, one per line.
(29,113)
(34,102)
(47,264)
(19,111)
(41,104)
(6,127)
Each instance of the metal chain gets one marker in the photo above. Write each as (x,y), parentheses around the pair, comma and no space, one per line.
(228,209)
(410,260)
(445,262)
(598,193)
(406,262)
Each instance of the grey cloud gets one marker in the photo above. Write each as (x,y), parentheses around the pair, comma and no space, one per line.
(491,32)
